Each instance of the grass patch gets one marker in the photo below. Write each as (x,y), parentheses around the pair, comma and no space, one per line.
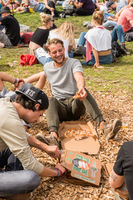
(114,77)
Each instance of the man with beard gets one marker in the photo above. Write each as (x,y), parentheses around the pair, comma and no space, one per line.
(65,76)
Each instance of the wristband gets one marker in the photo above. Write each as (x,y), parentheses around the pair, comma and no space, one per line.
(15,81)
(58,171)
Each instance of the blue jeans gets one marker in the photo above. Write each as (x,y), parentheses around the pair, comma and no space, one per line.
(118,34)
(107,15)
(43,60)
(110,23)
(13,179)
(82,39)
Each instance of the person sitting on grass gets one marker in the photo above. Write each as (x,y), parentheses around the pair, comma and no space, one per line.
(65,33)
(65,76)
(12,35)
(40,36)
(100,40)
(81,8)
(19,169)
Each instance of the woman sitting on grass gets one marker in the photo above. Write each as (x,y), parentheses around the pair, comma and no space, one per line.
(40,36)
(65,33)
(98,39)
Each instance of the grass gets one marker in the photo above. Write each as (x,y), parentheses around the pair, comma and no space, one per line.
(115,77)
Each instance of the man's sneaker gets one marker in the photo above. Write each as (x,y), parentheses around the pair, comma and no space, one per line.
(125,50)
(26,10)
(111,130)
(49,140)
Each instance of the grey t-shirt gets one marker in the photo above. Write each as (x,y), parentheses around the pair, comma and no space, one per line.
(61,79)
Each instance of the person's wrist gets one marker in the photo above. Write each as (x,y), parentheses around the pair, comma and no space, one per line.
(15,81)
(59,172)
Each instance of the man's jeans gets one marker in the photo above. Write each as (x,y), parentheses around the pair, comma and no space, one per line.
(13,179)
(71,109)
(118,34)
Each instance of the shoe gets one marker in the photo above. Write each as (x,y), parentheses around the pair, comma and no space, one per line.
(49,140)
(88,25)
(75,14)
(125,50)
(110,130)
(77,51)
(62,15)
(26,10)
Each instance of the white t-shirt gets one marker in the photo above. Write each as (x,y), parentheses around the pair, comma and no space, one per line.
(53,34)
(99,38)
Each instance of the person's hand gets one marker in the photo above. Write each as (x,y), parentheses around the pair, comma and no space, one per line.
(82,94)
(60,167)
(52,9)
(19,82)
(54,152)
(98,66)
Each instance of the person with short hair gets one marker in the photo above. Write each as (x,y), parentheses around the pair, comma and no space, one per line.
(19,169)
(12,35)
(81,8)
(65,76)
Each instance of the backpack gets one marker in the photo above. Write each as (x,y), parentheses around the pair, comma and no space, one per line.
(117,50)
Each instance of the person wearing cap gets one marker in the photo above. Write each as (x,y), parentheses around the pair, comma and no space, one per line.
(12,35)
(19,170)
(39,78)
(67,79)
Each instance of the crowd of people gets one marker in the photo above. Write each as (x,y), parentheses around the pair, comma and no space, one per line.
(55,48)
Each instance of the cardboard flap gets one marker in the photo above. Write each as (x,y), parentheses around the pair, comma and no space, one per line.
(82,166)
(88,144)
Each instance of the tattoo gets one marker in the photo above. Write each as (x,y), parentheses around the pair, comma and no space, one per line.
(113,176)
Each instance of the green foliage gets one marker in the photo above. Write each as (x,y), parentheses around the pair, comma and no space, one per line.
(114,77)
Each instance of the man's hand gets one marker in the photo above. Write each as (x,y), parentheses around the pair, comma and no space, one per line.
(54,152)
(82,94)
(60,167)
(19,83)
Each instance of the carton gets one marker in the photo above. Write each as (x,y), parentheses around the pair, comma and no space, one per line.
(82,166)
(119,193)
(89,144)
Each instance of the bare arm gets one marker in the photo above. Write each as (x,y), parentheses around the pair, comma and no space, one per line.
(52,151)
(131,22)
(47,172)
(77,4)
(80,85)
(115,180)
(40,78)
(95,53)
(7,78)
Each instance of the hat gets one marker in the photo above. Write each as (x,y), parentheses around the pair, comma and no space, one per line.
(34,94)
(5,9)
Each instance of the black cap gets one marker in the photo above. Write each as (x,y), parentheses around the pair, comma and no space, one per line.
(5,9)
(34,94)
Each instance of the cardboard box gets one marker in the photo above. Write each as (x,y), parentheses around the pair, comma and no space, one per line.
(89,144)
(82,167)
(119,192)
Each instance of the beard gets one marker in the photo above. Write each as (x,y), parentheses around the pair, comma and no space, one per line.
(60,61)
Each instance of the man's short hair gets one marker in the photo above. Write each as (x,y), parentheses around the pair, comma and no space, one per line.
(28,96)
(55,41)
